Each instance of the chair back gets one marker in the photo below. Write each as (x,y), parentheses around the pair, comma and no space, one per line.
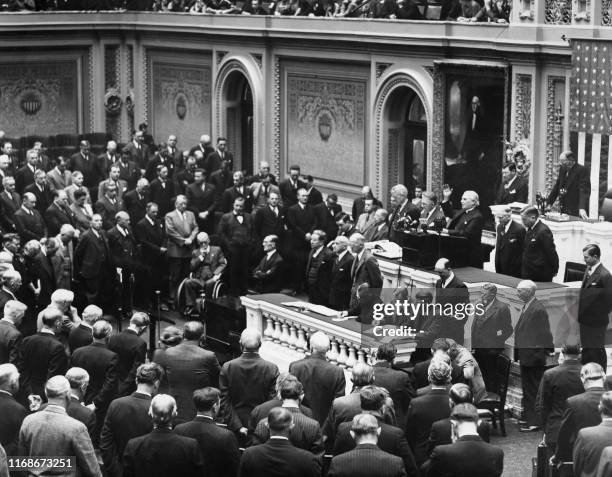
(502,375)
(574,272)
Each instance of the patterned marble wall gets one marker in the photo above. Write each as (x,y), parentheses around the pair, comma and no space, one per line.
(38,98)
(325,125)
(180,101)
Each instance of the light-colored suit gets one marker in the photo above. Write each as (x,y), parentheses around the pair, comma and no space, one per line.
(82,217)
(121,187)
(364,221)
(72,188)
(58,180)
(51,432)
(259,198)
(178,230)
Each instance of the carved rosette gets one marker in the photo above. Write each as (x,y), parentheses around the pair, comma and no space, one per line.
(606,12)
(112,80)
(276,114)
(558,12)
(112,102)
(522,107)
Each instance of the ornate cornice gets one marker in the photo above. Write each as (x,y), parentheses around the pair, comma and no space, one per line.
(381,68)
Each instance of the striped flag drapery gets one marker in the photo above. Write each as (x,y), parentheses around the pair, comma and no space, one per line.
(591,112)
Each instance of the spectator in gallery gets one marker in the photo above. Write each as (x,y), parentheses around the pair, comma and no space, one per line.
(359,202)
(498,11)
(513,187)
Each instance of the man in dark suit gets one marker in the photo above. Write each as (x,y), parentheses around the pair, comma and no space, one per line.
(238,189)
(391,439)
(305,432)
(58,213)
(468,454)
(173,153)
(591,441)
(364,269)
(327,212)
(11,201)
(39,271)
(202,201)
(128,170)
(314,195)
(218,445)
(581,410)
(160,158)
(509,244)
(204,146)
(318,269)
(323,381)
(289,187)
(42,355)
(161,190)
(467,223)
(207,266)
(12,413)
(245,382)
(128,417)
(135,201)
(557,385)
(94,267)
(367,458)
(403,212)
(341,281)
(78,378)
(44,195)
(532,343)
(139,151)
(540,259)
(594,306)
(490,330)
(513,187)
(108,205)
(278,457)
(131,350)
(270,220)
(189,367)
(28,221)
(11,285)
(108,158)
(573,187)
(221,179)
(359,202)
(10,336)
(85,163)
(162,452)
(25,175)
(214,160)
(397,382)
(82,335)
(451,291)
(424,410)
(236,233)
(268,274)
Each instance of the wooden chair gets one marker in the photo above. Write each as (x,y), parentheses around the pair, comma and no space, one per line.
(495,401)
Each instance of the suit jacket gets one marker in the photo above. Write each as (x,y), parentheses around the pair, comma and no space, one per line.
(58,180)
(162,453)
(213,263)
(162,196)
(10,341)
(136,205)
(82,217)
(595,298)
(367,460)
(108,210)
(221,179)
(364,221)
(587,451)
(366,271)
(178,230)
(454,293)
(509,249)
(188,367)
(244,383)
(469,224)
(139,155)
(52,432)
(359,205)
(323,382)
(517,192)
(9,207)
(89,167)
(557,384)
(577,185)
(124,249)
(151,237)
(213,160)
(305,434)
(341,282)
(106,160)
(326,218)
(23,178)
(441,433)
(266,222)
(318,275)
(278,458)
(422,413)
(259,195)
(92,254)
(314,196)
(232,193)
(41,357)
(30,226)
(493,327)
(288,192)
(202,198)
(234,233)
(154,163)
(262,410)
(532,336)
(78,411)
(130,173)
(126,418)
(400,388)
(581,410)
(122,187)
(44,197)
(101,364)
(470,455)
(80,336)
(270,277)
(218,446)
(131,350)
(56,216)
(540,259)
(391,440)
(12,415)
(72,188)
(408,211)
(376,232)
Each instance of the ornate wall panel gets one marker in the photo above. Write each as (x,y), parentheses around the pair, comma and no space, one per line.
(437,146)
(112,83)
(325,126)
(180,100)
(276,141)
(522,105)
(558,12)
(554,143)
(39,98)
(606,12)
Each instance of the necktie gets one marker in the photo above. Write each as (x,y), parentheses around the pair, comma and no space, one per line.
(354,267)
(586,277)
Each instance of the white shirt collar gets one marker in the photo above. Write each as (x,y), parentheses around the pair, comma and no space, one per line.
(317,251)
(47,331)
(594,268)
(448,280)
(270,253)
(510,182)
(302,206)
(150,220)
(507,227)
(342,254)
(281,438)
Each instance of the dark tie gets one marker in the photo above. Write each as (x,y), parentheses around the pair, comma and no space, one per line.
(354,267)
(586,277)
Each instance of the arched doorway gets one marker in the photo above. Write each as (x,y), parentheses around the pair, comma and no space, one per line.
(238,105)
(405,138)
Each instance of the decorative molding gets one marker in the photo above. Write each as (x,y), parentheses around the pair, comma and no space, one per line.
(606,12)
(581,10)
(276,115)
(527,13)
(437,124)
(130,100)
(381,68)
(146,60)
(112,81)
(558,12)
(220,56)
(430,70)
(258,57)
(522,107)
(89,94)
(552,161)
(393,157)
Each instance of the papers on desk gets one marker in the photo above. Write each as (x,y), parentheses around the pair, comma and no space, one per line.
(345,318)
(320,309)
(385,249)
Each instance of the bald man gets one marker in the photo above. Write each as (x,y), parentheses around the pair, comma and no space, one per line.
(28,220)
(467,223)
(125,254)
(58,213)
(246,382)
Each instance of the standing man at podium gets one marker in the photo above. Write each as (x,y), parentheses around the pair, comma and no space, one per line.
(467,223)
(573,187)
(403,210)
(540,259)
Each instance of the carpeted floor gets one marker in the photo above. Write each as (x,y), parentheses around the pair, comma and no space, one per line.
(519,449)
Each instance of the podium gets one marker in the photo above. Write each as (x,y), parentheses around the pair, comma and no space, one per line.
(422,250)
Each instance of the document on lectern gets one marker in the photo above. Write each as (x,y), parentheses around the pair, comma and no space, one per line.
(385,249)
(303,305)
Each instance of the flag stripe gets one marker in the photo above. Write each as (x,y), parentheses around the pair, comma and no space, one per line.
(595,165)
(609,184)
(581,147)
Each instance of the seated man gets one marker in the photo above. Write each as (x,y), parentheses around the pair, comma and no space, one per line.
(207,266)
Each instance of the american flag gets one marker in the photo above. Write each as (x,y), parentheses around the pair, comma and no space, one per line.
(591,112)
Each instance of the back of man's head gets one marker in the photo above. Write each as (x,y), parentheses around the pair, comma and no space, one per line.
(464,412)
(372,398)
(162,410)
(439,373)
(250,340)
(605,404)
(319,342)
(364,426)
(291,389)
(280,421)
(193,330)
(102,330)
(592,375)
(91,314)
(139,319)
(77,377)
(149,373)
(57,387)
(386,352)
(460,393)
(363,374)
(9,377)
(50,316)
(204,399)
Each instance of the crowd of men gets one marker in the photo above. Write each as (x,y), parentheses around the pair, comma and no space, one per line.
(497,11)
